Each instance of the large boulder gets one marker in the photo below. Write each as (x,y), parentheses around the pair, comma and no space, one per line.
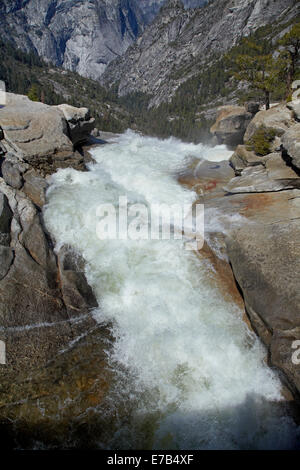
(43,135)
(272,174)
(35,188)
(79,122)
(203,176)
(231,125)
(77,294)
(12,174)
(278,118)
(33,128)
(243,158)
(295,107)
(291,146)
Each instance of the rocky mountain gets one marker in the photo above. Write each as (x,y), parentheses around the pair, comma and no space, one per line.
(81,35)
(180,42)
(150,8)
(194,3)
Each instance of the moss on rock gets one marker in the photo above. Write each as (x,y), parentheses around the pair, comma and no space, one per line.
(261,140)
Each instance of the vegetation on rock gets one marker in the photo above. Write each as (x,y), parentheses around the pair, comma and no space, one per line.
(34,93)
(261,140)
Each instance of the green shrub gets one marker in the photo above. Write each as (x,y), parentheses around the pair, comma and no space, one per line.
(33,93)
(261,140)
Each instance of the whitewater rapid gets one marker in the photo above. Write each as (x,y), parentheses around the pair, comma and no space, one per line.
(190,373)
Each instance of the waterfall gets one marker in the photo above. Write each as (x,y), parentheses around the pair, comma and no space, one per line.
(190,372)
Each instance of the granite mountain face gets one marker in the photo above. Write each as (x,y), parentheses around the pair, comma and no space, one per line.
(151,8)
(173,65)
(180,42)
(148,46)
(79,35)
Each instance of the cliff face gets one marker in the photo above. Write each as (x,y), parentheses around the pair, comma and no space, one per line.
(150,8)
(180,41)
(81,35)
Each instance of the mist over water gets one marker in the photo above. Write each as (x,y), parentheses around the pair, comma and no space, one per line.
(188,370)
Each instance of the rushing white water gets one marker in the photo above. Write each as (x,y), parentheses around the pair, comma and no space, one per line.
(191,373)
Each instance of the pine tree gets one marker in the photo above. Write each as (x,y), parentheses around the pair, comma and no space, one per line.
(258,69)
(290,54)
(33,93)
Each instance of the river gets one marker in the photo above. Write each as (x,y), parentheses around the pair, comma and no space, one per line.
(189,371)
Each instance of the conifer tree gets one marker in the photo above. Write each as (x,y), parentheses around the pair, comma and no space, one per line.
(290,54)
(258,69)
(33,93)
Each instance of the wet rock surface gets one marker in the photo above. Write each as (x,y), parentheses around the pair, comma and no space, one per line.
(5,220)
(62,404)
